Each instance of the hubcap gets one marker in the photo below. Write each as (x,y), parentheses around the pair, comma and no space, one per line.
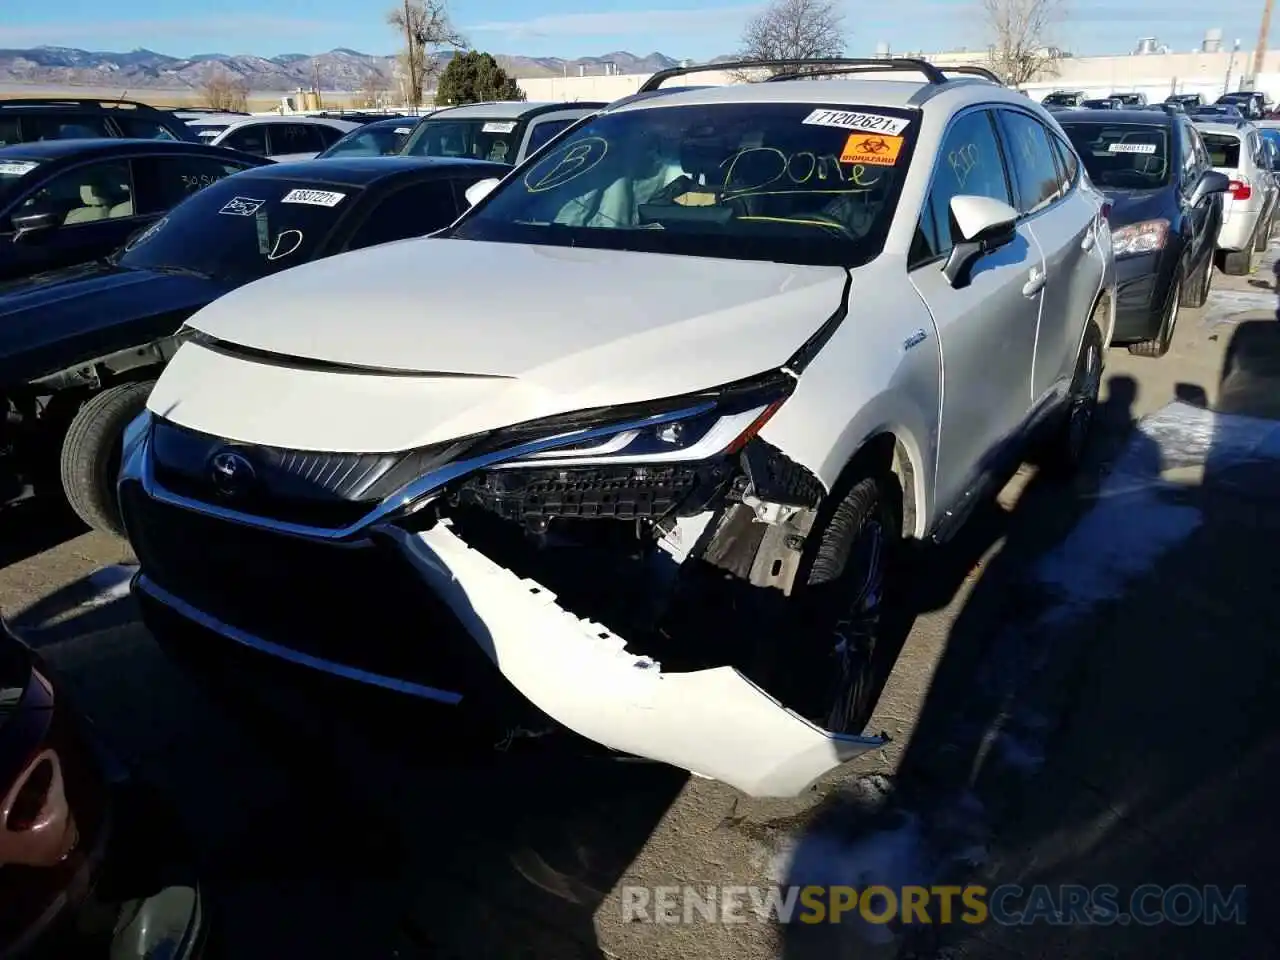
(858,626)
(1085,399)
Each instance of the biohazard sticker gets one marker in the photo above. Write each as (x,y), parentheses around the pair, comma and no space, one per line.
(855,120)
(871,149)
(241,207)
(1131,147)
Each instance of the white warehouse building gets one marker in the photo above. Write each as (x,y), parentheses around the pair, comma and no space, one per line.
(1151,69)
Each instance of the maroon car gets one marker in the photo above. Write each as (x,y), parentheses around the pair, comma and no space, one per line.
(82,853)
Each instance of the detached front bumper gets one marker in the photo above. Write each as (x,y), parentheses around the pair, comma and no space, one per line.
(395,607)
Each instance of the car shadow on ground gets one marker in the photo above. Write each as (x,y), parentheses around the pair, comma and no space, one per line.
(34,525)
(1104,710)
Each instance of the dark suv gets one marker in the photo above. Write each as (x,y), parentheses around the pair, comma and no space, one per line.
(50,118)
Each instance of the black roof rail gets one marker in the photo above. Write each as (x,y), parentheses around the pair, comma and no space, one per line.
(972,71)
(802,67)
(77,102)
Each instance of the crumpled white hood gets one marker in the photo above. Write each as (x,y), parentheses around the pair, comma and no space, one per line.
(552,314)
(534,331)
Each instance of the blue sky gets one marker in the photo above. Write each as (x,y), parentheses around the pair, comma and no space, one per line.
(680,28)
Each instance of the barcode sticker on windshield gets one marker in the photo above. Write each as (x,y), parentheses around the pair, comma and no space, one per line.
(403,131)
(315,198)
(853,120)
(16,168)
(1131,148)
(494,126)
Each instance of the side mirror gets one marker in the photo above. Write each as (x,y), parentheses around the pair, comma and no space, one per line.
(984,225)
(1212,182)
(480,189)
(28,225)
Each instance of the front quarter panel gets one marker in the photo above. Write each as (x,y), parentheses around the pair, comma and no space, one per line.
(880,372)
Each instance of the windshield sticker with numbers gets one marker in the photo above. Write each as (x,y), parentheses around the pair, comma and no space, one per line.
(16,168)
(856,120)
(314,198)
(494,126)
(1131,147)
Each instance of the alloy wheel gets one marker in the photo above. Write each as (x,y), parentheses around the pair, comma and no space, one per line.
(858,626)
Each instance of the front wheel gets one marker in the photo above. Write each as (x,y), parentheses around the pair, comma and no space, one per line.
(1159,345)
(91,453)
(843,604)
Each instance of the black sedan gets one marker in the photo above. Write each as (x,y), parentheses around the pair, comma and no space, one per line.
(82,847)
(1166,208)
(81,347)
(381,138)
(71,201)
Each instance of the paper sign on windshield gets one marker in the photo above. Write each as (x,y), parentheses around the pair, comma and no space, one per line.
(493,126)
(854,120)
(315,198)
(16,168)
(1131,148)
(872,149)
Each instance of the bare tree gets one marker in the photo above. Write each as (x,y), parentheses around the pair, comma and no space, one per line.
(222,91)
(373,89)
(794,30)
(1020,32)
(426,27)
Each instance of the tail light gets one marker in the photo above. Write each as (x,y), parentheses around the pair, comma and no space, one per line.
(1239,189)
(1105,212)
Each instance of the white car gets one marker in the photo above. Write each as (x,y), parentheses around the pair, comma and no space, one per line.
(282,138)
(639,434)
(1249,206)
(504,131)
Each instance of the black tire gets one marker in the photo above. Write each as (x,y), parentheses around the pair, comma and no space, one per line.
(1195,292)
(843,602)
(91,453)
(1066,446)
(1238,263)
(1159,345)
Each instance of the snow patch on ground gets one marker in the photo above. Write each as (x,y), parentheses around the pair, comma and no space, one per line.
(1136,519)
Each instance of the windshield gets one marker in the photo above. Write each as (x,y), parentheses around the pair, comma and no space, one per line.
(377,140)
(208,131)
(11,174)
(1224,149)
(1061,100)
(479,139)
(240,229)
(1122,155)
(792,183)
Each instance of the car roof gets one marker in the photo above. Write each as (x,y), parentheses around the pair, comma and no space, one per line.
(511,109)
(101,146)
(389,122)
(362,171)
(1235,129)
(907,94)
(207,119)
(290,118)
(1153,118)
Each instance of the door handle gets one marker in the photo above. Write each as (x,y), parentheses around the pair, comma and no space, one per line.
(1035,283)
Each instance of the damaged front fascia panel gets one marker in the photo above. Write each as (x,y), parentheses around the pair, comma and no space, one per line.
(714,723)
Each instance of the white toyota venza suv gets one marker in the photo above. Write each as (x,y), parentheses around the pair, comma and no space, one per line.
(637,436)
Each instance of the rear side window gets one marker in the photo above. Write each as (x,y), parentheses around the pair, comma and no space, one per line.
(250,139)
(544,131)
(969,163)
(62,126)
(144,129)
(295,138)
(167,181)
(1068,165)
(1031,158)
(1224,149)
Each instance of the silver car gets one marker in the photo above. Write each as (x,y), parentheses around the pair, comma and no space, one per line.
(1236,148)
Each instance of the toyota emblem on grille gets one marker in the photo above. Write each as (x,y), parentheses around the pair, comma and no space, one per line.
(231,473)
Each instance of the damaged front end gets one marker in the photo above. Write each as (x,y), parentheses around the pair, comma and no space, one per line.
(628,571)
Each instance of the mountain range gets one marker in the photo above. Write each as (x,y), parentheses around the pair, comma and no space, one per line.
(340,69)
